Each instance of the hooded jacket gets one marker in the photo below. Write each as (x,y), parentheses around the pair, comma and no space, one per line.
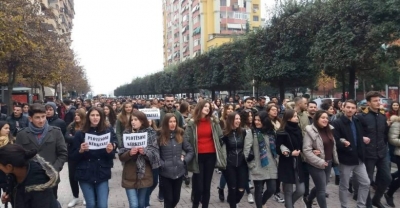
(69,115)
(36,189)
(394,134)
(55,121)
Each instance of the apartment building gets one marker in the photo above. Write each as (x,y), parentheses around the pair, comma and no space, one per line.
(192,27)
(62,15)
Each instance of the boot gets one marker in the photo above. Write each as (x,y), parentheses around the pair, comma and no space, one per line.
(337,179)
(221,194)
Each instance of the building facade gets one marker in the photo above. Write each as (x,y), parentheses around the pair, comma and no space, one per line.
(61,15)
(192,27)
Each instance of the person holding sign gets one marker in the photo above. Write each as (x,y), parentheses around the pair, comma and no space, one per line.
(123,121)
(93,150)
(204,133)
(139,155)
(173,162)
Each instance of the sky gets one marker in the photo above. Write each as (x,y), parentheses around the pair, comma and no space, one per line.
(119,40)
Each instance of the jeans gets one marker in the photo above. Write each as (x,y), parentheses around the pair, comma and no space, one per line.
(151,189)
(359,174)
(395,184)
(236,178)
(259,197)
(202,180)
(136,197)
(172,191)
(93,192)
(72,182)
(306,179)
(320,178)
(383,177)
(222,182)
(290,196)
(336,170)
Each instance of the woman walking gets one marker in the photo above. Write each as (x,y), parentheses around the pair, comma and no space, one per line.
(172,160)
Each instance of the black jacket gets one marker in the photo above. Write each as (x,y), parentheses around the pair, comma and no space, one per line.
(55,121)
(234,144)
(36,190)
(93,166)
(352,154)
(375,127)
(292,138)
(69,115)
(170,156)
(70,135)
(17,124)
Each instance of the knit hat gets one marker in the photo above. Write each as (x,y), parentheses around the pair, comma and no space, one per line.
(52,104)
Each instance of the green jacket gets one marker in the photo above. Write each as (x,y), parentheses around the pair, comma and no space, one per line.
(178,115)
(303,121)
(191,136)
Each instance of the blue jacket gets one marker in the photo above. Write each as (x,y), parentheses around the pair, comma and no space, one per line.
(93,166)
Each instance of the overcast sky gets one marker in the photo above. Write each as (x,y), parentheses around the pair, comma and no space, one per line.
(118,40)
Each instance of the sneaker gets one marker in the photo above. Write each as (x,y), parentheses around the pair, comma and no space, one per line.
(389,200)
(251,185)
(84,202)
(73,202)
(278,198)
(250,198)
(221,194)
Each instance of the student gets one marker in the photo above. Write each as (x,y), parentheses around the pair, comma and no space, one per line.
(34,178)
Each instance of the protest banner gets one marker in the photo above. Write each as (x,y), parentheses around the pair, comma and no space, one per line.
(151,113)
(97,141)
(135,140)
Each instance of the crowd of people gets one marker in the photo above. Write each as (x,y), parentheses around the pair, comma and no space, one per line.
(270,147)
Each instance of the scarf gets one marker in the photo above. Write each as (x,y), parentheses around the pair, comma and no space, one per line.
(262,149)
(40,133)
(272,145)
(4,140)
(152,153)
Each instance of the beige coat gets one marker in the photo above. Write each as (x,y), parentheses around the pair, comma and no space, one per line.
(394,133)
(313,141)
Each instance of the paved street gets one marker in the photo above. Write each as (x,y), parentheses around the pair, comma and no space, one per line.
(118,199)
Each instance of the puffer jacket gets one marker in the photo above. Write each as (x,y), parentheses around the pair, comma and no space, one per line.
(191,136)
(376,129)
(171,164)
(313,141)
(394,133)
(234,148)
(256,171)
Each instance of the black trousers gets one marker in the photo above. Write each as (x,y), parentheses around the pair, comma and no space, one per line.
(259,197)
(171,190)
(395,184)
(202,180)
(236,178)
(72,182)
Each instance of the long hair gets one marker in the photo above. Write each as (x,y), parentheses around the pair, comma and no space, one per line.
(141,117)
(244,117)
(327,128)
(265,121)
(123,116)
(101,127)
(15,155)
(289,113)
(82,115)
(2,124)
(112,117)
(224,114)
(197,111)
(230,120)
(269,108)
(165,132)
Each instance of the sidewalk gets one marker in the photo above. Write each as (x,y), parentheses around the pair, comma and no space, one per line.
(118,199)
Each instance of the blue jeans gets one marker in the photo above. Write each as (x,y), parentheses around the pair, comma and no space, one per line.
(151,189)
(336,170)
(136,197)
(95,191)
(222,182)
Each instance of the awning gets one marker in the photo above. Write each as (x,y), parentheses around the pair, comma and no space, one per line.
(196,31)
(235,26)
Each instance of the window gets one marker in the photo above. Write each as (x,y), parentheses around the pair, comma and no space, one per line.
(196,42)
(255,18)
(223,3)
(196,19)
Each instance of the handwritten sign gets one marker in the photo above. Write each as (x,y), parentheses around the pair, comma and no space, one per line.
(135,140)
(97,141)
(151,113)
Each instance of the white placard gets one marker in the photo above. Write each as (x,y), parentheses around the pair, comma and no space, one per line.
(135,140)
(151,113)
(97,141)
